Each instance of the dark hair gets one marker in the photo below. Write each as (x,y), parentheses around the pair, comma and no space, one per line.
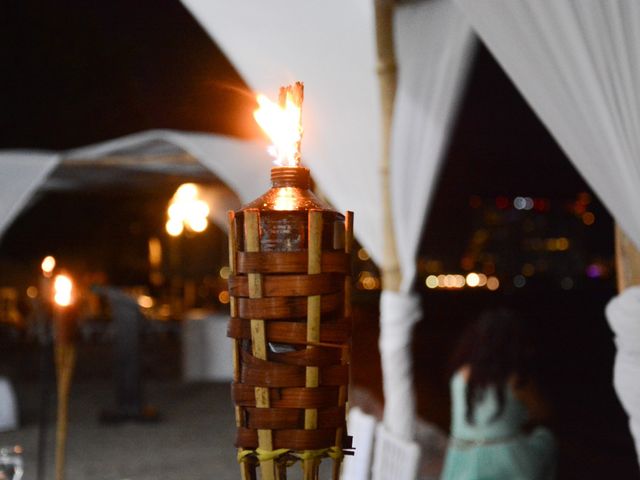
(496,347)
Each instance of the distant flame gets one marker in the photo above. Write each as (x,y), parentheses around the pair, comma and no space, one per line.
(62,290)
(282,122)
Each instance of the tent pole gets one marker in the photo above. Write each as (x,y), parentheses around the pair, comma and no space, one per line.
(388,78)
(627,260)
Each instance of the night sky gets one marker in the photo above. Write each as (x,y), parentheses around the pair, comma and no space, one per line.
(80,72)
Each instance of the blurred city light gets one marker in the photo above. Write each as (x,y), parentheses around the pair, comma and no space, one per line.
(456,281)
(588,218)
(225,272)
(473,280)
(493,283)
(431,281)
(363,255)
(223,297)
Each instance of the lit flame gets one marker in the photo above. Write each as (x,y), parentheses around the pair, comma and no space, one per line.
(282,122)
(187,210)
(62,290)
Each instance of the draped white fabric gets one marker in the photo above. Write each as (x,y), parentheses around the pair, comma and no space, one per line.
(399,312)
(21,173)
(577,62)
(237,163)
(434,46)
(330,46)
(623,313)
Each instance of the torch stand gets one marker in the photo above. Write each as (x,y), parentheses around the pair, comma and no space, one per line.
(43,325)
(65,360)
(65,364)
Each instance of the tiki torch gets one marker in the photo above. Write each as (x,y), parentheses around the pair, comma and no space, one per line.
(65,357)
(290,313)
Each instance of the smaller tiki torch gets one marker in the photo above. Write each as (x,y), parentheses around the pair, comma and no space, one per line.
(64,320)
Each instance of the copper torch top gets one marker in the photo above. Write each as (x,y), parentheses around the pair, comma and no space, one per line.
(298,177)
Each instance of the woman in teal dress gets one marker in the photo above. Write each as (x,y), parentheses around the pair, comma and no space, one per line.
(494,405)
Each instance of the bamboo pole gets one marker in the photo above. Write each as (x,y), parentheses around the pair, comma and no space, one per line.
(387,75)
(247,471)
(258,338)
(627,260)
(342,392)
(65,359)
(314,266)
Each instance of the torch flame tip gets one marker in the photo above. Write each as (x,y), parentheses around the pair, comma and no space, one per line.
(282,122)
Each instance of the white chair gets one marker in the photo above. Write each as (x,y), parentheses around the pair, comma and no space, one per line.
(394,458)
(362,427)
(8,406)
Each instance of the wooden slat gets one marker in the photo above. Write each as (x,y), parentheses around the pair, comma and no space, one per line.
(258,339)
(272,308)
(292,418)
(289,285)
(292,397)
(314,267)
(346,351)
(293,439)
(247,471)
(267,374)
(290,262)
(332,333)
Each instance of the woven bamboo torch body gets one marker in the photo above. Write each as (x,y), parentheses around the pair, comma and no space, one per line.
(291,328)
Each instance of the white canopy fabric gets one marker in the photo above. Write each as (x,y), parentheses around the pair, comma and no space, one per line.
(331,46)
(623,313)
(434,47)
(577,62)
(21,173)
(240,164)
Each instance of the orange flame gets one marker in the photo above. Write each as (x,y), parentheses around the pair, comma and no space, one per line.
(282,122)
(63,290)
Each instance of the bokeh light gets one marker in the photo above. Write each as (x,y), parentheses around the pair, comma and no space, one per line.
(47,265)
(62,290)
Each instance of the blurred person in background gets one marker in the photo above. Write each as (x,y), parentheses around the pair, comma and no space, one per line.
(496,407)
